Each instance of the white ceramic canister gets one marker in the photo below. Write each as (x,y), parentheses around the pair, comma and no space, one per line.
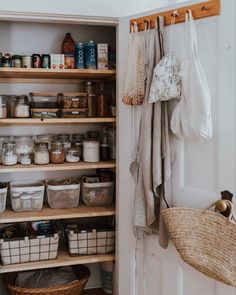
(91,151)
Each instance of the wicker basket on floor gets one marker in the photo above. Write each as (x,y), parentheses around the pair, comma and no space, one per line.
(74,288)
(205,240)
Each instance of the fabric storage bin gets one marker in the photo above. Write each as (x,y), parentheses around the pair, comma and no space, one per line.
(98,194)
(94,241)
(63,196)
(3,197)
(44,100)
(29,249)
(26,196)
(72,100)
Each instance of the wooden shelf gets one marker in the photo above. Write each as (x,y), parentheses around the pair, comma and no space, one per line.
(57,167)
(9,216)
(21,75)
(63,259)
(57,121)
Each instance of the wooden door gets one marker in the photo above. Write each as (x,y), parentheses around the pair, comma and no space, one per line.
(200,170)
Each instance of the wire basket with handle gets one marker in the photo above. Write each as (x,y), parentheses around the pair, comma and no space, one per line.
(205,240)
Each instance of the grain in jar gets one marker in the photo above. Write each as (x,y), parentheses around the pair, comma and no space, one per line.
(41,153)
(57,153)
(72,155)
(9,156)
(21,107)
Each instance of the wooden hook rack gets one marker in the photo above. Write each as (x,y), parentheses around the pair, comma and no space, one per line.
(199,10)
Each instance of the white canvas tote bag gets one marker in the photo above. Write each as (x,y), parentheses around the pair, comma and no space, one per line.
(191,119)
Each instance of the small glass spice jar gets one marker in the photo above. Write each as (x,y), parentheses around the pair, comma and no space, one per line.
(72,155)
(57,153)
(21,107)
(41,153)
(9,156)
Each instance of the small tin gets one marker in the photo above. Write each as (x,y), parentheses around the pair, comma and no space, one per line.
(90,50)
(16,61)
(36,60)
(79,56)
(69,61)
(6,61)
(46,61)
(26,61)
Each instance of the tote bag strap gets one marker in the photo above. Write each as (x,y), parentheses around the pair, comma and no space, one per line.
(192,35)
(160,26)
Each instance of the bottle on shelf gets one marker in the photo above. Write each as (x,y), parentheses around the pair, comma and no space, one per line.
(68,49)
(102,102)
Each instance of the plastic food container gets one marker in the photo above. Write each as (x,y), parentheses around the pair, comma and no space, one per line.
(45,113)
(74,113)
(74,100)
(63,196)
(44,100)
(97,194)
(27,196)
(3,197)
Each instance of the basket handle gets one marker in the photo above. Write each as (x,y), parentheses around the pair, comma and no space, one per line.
(232,215)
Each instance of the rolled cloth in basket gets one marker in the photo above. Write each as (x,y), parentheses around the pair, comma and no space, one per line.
(205,240)
(46,278)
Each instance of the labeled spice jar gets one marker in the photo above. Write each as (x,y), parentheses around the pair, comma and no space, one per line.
(16,61)
(57,153)
(6,61)
(91,151)
(21,107)
(9,156)
(36,60)
(72,155)
(3,107)
(26,61)
(41,153)
(90,88)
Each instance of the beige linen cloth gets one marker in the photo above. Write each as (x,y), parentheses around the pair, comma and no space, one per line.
(151,167)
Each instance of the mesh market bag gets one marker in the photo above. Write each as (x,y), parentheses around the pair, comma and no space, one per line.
(134,78)
(205,240)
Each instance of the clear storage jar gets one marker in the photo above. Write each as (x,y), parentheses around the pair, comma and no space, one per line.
(41,153)
(9,156)
(21,107)
(72,155)
(44,100)
(77,142)
(47,138)
(24,145)
(57,153)
(74,100)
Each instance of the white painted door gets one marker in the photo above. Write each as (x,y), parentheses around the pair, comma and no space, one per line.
(200,171)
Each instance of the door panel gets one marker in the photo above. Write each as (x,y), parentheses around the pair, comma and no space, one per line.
(200,171)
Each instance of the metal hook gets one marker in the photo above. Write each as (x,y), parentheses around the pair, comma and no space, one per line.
(175,13)
(204,8)
(147,23)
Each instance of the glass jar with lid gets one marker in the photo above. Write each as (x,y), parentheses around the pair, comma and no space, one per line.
(57,153)
(63,137)
(24,145)
(41,153)
(72,155)
(48,138)
(21,107)
(77,142)
(9,156)
(89,87)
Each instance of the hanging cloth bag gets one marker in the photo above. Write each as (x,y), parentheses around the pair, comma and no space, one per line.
(166,82)
(134,78)
(191,119)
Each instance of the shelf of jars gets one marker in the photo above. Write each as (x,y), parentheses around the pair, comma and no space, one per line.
(10,216)
(56,121)
(63,259)
(58,167)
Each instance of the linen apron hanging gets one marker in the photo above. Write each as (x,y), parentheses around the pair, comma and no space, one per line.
(191,119)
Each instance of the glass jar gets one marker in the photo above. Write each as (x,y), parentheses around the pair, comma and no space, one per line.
(63,137)
(57,153)
(77,142)
(47,138)
(41,153)
(25,159)
(3,107)
(9,156)
(24,145)
(90,88)
(21,107)
(72,155)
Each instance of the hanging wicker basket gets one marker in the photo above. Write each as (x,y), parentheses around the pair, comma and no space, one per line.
(206,240)
(74,288)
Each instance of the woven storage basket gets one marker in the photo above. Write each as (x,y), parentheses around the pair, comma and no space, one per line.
(205,240)
(74,288)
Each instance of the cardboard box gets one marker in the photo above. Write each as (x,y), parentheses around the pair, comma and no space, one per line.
(102,56)
(57,61)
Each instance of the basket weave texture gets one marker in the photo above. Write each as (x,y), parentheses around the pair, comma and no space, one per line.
(74,288)
(206,240)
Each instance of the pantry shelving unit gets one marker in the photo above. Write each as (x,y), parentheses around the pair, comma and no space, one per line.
(49,76)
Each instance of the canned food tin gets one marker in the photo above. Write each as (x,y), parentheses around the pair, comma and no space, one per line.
(27,61)
(79,56)
(16,61)
(36,60)
(90,50)
(46,61)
